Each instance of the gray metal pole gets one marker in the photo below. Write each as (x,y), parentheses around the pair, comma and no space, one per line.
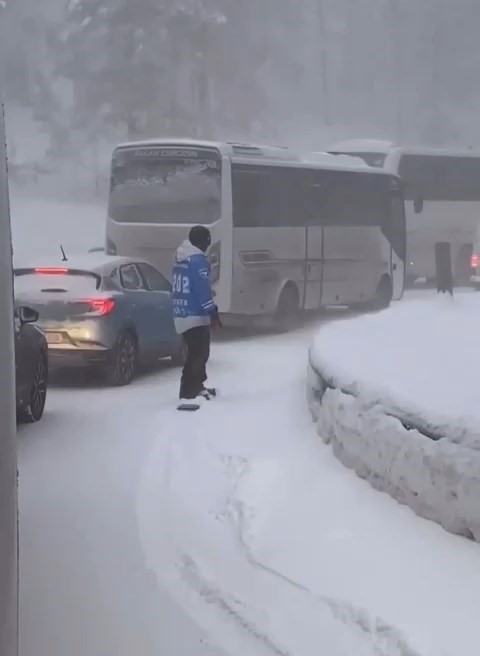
(8,441)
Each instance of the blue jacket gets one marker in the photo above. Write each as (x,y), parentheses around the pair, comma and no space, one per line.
(192,295)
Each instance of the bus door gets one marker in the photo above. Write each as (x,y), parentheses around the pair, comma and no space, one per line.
(313,267)
(312,200)
(398,243)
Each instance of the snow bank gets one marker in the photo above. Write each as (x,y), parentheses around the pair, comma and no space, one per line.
(378,390)
(419,360)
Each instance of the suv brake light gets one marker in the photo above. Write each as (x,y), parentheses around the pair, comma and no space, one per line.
(100,307)
(51,271)
(475,261)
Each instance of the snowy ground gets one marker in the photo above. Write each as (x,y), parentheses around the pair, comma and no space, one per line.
(419,360)
(135,519)
(144,531)
(85,589)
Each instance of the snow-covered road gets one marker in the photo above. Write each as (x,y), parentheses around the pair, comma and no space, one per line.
(85,589)
(145,531)
(148,532)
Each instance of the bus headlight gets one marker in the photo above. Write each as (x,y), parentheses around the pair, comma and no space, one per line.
(214,257)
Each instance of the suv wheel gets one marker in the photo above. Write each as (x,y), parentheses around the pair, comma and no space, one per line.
(122,366)
(35,407)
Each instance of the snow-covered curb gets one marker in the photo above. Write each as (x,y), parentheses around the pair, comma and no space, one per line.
(439,480)
(420,360)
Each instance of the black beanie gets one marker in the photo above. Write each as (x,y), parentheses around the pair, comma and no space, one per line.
(200,237)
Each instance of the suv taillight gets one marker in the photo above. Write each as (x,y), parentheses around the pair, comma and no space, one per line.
(475,261)
(99,307)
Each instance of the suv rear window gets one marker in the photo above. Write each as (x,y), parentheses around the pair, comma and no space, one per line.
(60,283)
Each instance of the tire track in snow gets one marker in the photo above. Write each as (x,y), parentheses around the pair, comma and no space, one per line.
(226,604)
(387,639)
(381,638)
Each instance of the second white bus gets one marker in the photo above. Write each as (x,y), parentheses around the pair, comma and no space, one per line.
(442,194)
(288,234)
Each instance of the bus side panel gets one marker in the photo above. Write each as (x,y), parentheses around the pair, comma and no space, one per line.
(454,222)
(264,260)
(353,265)
(223,235)
(8,446)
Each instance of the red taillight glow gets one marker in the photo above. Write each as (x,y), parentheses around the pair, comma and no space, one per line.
(51,271)
(100,306)
(475,261)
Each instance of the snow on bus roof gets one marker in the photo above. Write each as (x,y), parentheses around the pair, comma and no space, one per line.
(229,148)
(378,146)
(441,152)
(193,143)
(342,160)
(271,155)
(362,146)
(226,147)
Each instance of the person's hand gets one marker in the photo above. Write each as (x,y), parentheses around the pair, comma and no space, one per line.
(215,321)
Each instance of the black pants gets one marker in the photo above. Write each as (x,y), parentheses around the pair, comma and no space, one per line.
(194,374)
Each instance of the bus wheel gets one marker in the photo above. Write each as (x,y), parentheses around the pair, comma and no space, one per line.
(288,311)
(384,294)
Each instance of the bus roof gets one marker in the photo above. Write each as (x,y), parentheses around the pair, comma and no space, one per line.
(230,148)
(377,146)
(246,153)
(362,146)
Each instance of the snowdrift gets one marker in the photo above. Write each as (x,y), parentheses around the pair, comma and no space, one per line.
(396,396)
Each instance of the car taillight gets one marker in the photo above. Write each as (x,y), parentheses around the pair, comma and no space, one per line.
(100,307)
(475,261)
(51,271)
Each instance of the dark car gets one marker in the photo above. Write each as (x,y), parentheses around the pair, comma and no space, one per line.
(111,313)
(31,363)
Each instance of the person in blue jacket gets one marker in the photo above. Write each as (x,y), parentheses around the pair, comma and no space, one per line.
(194,310)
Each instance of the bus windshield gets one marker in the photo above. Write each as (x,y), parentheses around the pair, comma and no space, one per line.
(165,185)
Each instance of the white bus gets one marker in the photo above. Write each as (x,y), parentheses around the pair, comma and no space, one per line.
(8,442)
(442,193)
(288,233)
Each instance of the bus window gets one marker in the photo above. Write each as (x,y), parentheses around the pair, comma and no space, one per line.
(348,199)
(268,196)
(250,187)
(440,178)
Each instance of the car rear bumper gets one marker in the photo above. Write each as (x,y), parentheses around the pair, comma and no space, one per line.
(59,358)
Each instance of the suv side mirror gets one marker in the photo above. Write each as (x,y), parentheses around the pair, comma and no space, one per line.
(418,205)
(27,315)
